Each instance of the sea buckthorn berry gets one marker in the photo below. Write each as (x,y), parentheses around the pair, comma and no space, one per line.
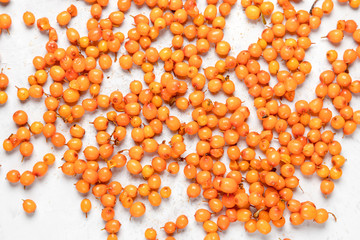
(40,169)
(327,187)
(29,206)
(13,176)
(137,209)
(3,97)
(181,222)
(252,12)
(20,117)
(150,234)
(5,21)
(29,18)
(27,178)
(85,206)
(263,226)
(72,10)
(43,24)
(112,226)
(63,18)
(321,215)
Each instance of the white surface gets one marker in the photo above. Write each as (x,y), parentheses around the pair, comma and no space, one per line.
(58,216)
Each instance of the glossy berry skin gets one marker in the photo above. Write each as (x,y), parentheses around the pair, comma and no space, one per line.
(29,206)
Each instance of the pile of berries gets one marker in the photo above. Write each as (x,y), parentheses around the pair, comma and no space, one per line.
(257,185)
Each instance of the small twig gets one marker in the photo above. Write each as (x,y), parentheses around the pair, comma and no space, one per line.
(301,188)
(263,19)
(312,7)
(256,214)
(333,216)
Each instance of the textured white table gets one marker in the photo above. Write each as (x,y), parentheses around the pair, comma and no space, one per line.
(58,216)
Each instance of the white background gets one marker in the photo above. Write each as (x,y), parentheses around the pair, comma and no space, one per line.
(58,215)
